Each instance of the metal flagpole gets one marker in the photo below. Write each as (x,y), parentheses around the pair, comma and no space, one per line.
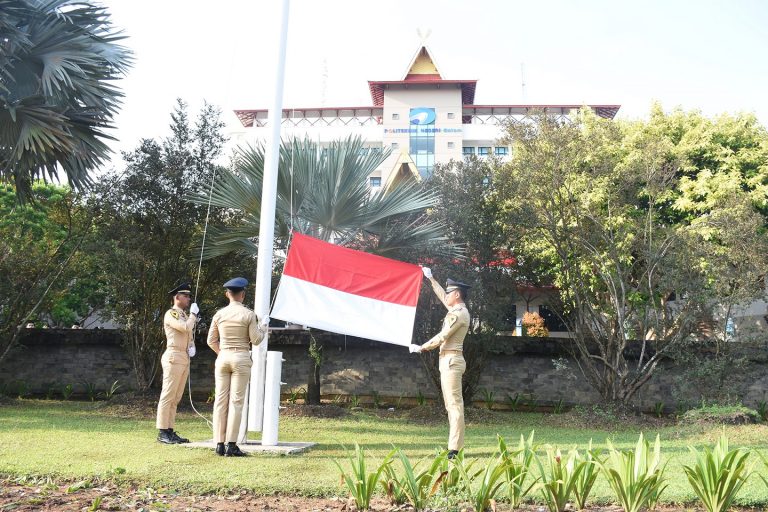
(263,410)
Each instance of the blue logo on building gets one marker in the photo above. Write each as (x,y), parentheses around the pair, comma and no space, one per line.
(422,115)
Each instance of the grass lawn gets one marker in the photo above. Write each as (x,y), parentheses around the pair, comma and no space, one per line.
(76,440)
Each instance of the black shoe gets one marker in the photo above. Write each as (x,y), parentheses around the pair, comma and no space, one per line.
(452,454)
(177,438)
(234,451)
(220,449)
(165,437)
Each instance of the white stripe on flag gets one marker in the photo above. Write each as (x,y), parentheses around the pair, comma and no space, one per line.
(318,306)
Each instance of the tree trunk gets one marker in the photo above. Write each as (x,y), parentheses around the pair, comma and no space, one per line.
(315,362)
(313,384)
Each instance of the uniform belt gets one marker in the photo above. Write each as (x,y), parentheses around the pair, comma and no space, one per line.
(176,349)
(454,352)
(236,349)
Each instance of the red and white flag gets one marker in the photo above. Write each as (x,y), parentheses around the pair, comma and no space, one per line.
(348,292)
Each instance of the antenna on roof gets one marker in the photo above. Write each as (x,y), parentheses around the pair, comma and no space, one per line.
(324,83)
(522,79)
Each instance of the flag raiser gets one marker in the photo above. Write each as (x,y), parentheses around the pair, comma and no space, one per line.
(348,292)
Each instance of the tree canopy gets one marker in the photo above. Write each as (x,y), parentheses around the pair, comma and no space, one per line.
(59,61)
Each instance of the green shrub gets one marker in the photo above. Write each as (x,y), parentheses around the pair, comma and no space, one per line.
(488,396)
(726,414)
(559,481)
(514,401)
(414,487)
(518,468)
(359,482)
(108,394)
(717,475)
(762,410)
(586,479)
(636,476)
(483,485)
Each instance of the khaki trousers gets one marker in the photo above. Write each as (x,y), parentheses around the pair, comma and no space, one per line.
(452,367)
(233,369)
(175,373)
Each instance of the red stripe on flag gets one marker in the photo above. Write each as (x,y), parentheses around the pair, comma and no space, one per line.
(355,272)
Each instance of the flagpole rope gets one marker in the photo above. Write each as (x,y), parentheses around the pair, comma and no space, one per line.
(197,284)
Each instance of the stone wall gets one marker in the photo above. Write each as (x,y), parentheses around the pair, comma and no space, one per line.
(531,367)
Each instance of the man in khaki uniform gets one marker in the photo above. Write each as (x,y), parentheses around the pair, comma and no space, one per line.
(450,341)
(180,347)
(233,330)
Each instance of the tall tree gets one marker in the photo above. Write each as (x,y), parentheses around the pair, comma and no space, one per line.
(40,244)
(469,208)
(59,60)
(594,203)
(149,233)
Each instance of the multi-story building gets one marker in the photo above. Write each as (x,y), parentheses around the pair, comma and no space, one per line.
(427,119)
(423,118)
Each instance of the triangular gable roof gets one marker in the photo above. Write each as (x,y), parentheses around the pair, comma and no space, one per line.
(404,168)
(422,66)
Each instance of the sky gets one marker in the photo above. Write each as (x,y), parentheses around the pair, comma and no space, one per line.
(704,55)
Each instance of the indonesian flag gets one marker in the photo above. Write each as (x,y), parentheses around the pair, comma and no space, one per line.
(348,292)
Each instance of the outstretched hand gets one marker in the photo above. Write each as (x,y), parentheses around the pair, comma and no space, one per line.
(427,272)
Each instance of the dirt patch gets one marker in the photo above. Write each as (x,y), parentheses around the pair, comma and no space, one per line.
(136,405)
(605,418)
(108,496)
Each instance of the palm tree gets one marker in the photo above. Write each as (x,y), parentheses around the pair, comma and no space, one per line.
(323,192)
(58,63)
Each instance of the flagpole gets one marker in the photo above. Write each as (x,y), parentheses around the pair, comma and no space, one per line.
(261,411)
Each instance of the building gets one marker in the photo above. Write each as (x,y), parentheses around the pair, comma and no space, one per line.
(423,118)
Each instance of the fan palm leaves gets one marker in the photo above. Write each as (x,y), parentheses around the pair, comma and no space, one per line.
(323,192)
(58,63)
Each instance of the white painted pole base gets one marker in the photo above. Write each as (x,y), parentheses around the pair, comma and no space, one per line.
(272,398)
(256,388)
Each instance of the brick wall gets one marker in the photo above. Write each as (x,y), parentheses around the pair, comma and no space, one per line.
(352,366)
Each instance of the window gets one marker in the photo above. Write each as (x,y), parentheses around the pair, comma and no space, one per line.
(395,145)
(501,151)
(375,182)
(451,115)
(483,151)
(450,145)
(552,321)
(395,117)
(364,151)
(422,139)
(468,150)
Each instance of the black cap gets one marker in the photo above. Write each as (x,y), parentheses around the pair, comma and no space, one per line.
(451,285)
(182,288)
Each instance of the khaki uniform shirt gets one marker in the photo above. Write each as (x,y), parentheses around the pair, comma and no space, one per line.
(179,329)
(234,327)
(455,324)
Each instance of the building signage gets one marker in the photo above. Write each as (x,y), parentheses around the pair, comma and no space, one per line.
(422,130)
(422,116)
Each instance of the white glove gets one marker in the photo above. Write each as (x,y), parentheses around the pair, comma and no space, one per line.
(427,272)
(415,349)
(264,323)
(192,351)
(194,309)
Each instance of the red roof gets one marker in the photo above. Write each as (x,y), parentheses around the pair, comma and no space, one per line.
(467,86)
